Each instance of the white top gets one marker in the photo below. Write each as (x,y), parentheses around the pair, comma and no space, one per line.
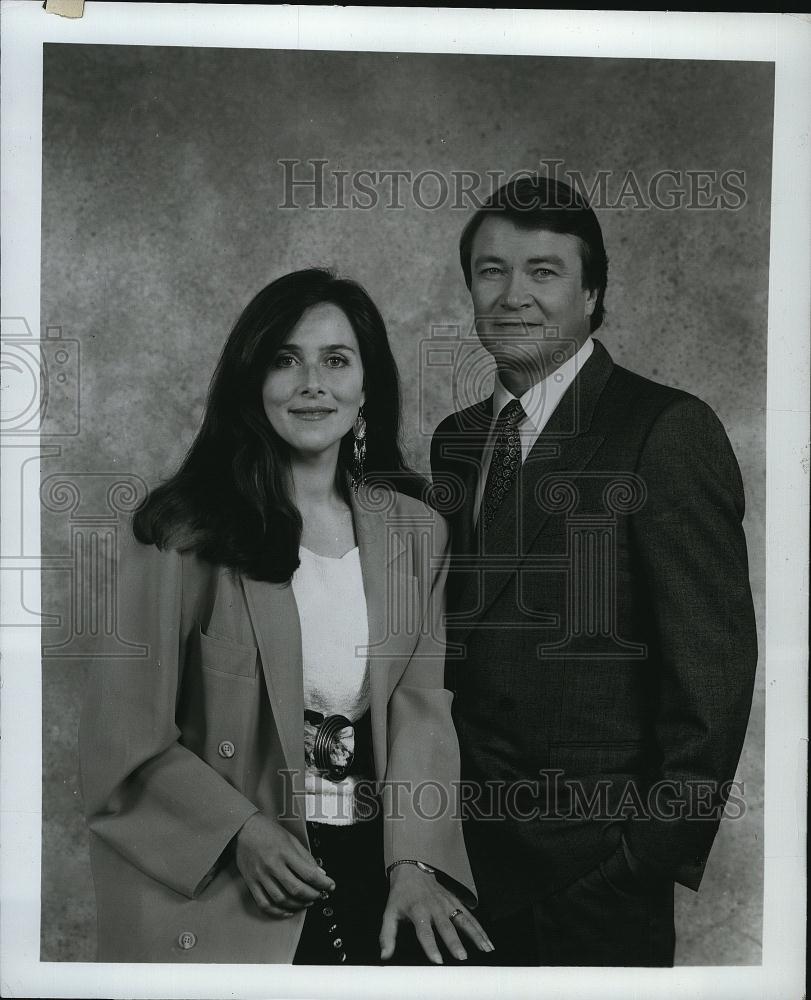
(334,639)
(539,401)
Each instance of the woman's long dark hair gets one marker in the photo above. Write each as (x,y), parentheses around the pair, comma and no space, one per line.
(229,501)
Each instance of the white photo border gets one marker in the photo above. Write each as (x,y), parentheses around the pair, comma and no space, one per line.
(784,40)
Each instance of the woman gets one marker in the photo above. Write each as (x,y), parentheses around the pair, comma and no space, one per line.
(284,742)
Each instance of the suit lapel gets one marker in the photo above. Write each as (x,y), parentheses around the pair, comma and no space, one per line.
(565,445)
(461,455)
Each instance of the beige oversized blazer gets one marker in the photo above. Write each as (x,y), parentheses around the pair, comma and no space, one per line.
(180,745)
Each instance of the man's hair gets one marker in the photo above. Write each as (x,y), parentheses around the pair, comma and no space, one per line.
(535,202)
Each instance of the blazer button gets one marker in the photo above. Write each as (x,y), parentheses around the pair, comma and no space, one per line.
(226,749)
(187,940)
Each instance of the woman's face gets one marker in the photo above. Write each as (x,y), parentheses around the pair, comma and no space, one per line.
(314,387)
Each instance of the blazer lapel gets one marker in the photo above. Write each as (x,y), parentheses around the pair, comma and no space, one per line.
(274,616)
(392,609)
(389,587)
(565,445)
(370,529)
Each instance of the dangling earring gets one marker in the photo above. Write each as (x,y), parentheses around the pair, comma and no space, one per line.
(359,453)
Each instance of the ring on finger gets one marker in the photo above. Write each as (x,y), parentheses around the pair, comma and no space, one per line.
(456,913)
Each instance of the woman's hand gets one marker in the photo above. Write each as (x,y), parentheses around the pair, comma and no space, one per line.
(418,897)
(281,874)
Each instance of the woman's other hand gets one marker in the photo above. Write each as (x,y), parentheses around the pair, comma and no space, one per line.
(417,897)
(280,873)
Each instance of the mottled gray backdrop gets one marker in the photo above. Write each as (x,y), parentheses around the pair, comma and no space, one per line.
(162,189)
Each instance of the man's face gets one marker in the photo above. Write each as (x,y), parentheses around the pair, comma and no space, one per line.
(531,310)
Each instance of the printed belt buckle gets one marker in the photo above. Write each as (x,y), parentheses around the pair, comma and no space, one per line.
(334,746)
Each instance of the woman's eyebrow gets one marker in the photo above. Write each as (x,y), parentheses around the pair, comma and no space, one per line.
(339,347)
(326,349)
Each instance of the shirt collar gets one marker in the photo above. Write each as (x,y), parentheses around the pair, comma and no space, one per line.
(541,399)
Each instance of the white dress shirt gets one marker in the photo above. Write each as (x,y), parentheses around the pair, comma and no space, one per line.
(539,402)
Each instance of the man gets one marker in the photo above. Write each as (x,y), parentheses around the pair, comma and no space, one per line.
(601,635)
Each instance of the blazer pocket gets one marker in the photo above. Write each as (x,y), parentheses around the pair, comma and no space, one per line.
(226,657)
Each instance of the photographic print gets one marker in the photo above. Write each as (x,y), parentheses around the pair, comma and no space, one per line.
(396,416)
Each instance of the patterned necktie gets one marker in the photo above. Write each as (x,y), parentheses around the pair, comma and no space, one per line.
(506,461)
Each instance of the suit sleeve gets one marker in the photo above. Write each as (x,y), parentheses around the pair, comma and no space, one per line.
(693,565)
(145,794)
(422,818)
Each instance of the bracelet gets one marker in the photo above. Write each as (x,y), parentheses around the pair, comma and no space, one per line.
(406,861)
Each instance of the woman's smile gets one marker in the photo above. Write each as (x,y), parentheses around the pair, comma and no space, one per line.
(312,413)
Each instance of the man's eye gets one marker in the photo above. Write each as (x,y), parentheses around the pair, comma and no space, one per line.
(490,270)
(543,272)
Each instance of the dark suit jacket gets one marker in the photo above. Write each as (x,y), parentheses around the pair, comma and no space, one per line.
(602,649)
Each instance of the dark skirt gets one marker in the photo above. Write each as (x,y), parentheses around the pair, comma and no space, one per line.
(344,926)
